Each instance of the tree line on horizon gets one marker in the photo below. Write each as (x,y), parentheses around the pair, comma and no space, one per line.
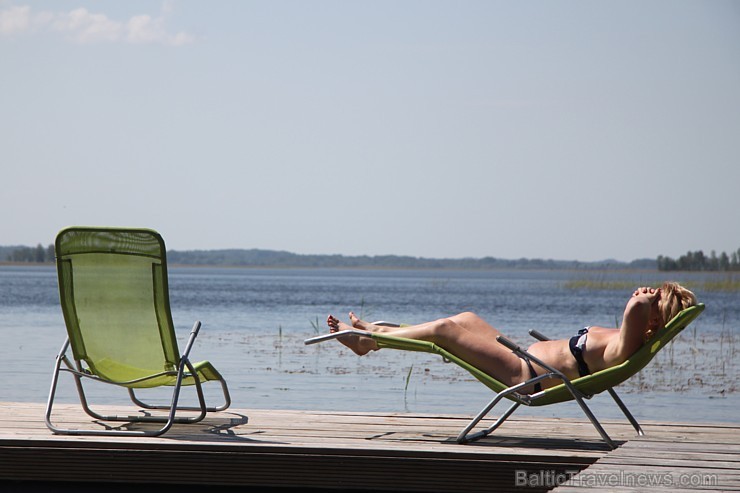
(25,254)
(274,258)
(691,261)
(698,261)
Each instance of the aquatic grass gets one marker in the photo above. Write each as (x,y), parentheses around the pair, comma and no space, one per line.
(729,283)
(731,336)
(727,339)
(364,310)
(406,388)
(315,325)
(599,284)
(722,339)
(279,346)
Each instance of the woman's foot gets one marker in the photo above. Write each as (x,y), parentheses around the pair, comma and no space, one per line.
(359,344)
(362,325)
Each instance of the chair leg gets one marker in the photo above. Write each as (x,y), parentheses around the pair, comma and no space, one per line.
(167,420)
(590,415)
(53,389)
(212,409)
(466,437)
(626,412)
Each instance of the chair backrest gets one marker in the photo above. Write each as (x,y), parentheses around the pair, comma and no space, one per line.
(115,300)
(610,377)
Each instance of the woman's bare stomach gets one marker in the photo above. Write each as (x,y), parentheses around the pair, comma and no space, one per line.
(556,354)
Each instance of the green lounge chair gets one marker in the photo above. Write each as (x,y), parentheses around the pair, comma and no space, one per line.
(579,389)
(115,301)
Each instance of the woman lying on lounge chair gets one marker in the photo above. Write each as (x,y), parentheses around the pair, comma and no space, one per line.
(592,349)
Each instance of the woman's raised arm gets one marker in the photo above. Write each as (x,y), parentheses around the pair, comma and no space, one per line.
(640,313)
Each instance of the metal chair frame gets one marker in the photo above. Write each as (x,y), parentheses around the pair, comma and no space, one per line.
(513,392)
(185,369)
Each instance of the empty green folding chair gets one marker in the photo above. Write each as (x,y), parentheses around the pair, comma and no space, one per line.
(115,301)
(577,389)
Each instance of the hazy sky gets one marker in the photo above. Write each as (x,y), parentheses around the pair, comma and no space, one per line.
(567,130)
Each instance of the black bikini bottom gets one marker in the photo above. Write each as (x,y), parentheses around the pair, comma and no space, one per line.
(577,352)
(532,373)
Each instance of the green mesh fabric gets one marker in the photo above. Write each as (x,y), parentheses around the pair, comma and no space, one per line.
(204,369)
(589,385)
(114,296)
(141,242)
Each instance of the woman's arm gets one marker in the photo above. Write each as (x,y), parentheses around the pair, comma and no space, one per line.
(635,322)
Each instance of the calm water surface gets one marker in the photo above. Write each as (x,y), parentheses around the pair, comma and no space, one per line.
(255,320)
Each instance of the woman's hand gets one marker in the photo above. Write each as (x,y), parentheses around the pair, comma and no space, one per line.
(643,290)
(651,294)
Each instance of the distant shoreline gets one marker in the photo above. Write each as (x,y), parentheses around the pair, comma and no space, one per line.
(275,259)
(280,259)
(175,265)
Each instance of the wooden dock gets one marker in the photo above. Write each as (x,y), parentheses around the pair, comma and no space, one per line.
(260,450)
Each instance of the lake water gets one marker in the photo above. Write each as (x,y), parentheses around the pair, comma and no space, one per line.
(255,321)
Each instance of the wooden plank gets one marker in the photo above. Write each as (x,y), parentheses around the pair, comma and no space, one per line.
(671,457)
(371,451)
(256,447)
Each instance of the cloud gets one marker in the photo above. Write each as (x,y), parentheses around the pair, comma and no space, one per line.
(85,27)
(144,29)
(15,20)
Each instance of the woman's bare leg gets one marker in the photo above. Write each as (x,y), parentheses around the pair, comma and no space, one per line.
(466,336)
(467,320)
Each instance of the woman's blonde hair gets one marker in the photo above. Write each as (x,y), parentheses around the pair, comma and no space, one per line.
(674,298)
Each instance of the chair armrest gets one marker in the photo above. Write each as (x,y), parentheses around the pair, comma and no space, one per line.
(509,344)
(191,339)
(334,335)
(538,335)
